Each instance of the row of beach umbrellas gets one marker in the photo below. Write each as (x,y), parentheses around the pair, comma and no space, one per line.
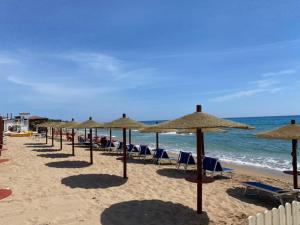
(197,122)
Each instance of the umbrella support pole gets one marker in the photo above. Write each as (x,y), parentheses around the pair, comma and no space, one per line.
(91,146)
(60,138)
(294,155)
(52,137)
(73,150)
(124,154)
(46,135)
(199,170)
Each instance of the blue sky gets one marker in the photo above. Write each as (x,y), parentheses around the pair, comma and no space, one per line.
(149,59)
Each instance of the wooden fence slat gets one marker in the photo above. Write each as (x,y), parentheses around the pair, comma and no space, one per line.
(252,220)
(260,219)
(294,213)
(268,217)
(288,214)
(298,213)
(282,217)
(275,216)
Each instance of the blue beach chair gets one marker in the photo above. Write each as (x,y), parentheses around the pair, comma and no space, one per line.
(161,154)
(132,150)
(108,145)
(213,166)
(185,159)
(277,192)
(144,151)
(120,147)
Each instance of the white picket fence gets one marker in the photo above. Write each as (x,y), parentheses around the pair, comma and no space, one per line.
(284,215)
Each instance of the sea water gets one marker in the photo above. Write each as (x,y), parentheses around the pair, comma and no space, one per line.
(234,145)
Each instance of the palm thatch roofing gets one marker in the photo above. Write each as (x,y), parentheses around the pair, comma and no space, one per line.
(88,124)
(154,129)
(125,122)
(50,124)
(69,124)
(287,132)
(200,120)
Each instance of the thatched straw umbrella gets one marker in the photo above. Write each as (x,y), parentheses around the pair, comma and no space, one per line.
(287,132)
(45,125)
(58,125)
(157,131)
(124,123)
(198,121)
(51,125)
(71,124)
(90,124)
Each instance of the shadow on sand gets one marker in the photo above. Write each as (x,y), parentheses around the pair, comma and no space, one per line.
(68,164)
(111,153)
(46,150)
(153,212)
(55,155)
(174,173)
(93,181)
(264,199)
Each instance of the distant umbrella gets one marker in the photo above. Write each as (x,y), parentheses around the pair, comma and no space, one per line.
(198,121)
(70,125)
(89,124)
(124,123)
(287,132)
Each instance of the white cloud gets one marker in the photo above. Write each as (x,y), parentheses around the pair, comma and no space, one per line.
(245,93)
(268,86)
(96,61)
(279,73)
(5,59)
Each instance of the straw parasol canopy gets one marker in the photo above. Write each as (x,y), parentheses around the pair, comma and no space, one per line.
(287,132)
(124,123)
(154,129)
(198,121)
(90,124)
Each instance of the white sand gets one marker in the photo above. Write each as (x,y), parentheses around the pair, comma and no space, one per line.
(46,192)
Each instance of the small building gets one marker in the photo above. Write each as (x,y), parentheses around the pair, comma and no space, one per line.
(22,122)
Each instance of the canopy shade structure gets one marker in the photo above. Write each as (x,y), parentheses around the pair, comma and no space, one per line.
(287,132)
(70,125)
(154,129)
(124,123)
(198,121)
(53,124)
(90,124)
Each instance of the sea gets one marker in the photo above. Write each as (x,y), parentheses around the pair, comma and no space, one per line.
(233,146)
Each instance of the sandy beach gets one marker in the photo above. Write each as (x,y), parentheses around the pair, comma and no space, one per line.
(52,187)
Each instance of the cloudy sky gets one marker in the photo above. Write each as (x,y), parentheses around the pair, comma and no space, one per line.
(150,59)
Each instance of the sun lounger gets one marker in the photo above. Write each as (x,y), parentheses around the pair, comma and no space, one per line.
(161,154)
(185,159)
(120,147)
(278,193)
(213,166)
(144,151)
(132,150)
